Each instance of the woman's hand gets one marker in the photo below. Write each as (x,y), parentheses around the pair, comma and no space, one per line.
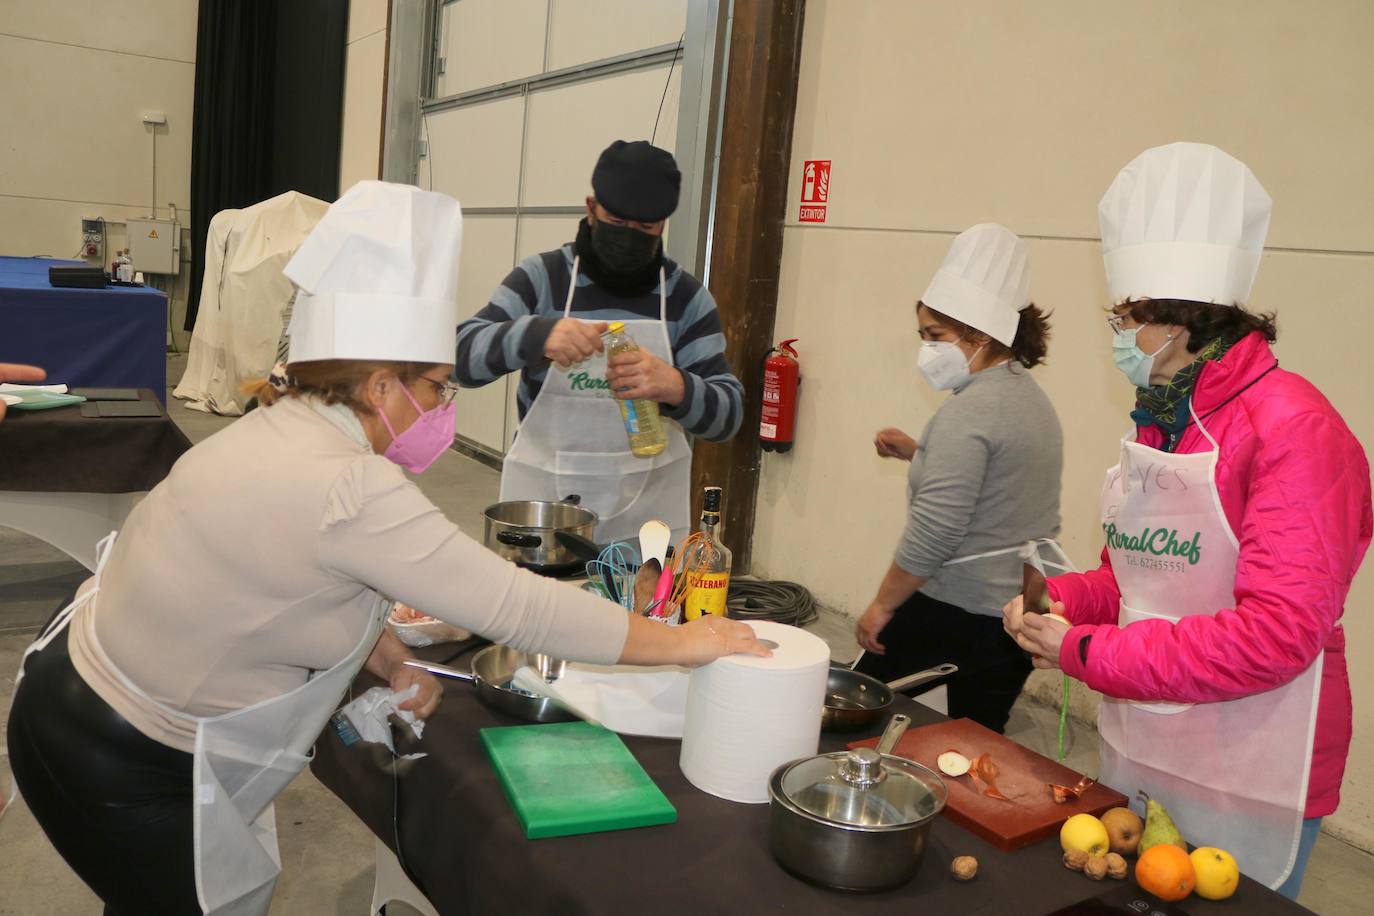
(893,443)
(426,699)
(17,372)
(870,624)
(1012,614)
(388,662)
(1043,636)
(710,637)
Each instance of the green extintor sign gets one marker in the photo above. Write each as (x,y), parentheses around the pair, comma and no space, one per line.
(584,381)
(1159,542)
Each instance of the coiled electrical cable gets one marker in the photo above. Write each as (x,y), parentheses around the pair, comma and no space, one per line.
(774,600)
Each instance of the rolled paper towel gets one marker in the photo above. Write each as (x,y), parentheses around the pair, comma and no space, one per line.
(747,715)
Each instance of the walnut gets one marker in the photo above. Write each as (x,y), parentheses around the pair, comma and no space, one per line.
(1096,868)
(1116,866)
(1075,859)
(964,868)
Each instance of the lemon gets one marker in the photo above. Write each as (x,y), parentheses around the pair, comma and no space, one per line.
(1217,872)
(1084,833)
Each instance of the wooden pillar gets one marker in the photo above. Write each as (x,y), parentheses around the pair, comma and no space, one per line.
(751,204)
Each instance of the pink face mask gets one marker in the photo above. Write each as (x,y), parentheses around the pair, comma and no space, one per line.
(419,446)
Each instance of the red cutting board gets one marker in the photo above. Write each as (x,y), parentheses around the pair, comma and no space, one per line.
(1025,778)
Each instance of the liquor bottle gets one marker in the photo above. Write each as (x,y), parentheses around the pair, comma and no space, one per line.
(642,423)
(708,563)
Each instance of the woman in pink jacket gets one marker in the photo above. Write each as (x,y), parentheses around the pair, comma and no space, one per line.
(1234,522)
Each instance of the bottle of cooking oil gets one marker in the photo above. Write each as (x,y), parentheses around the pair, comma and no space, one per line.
(708,563)
(642,423)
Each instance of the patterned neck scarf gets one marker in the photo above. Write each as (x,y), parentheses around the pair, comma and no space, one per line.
(1166,405)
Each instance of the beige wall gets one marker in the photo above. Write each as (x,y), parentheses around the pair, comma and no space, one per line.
(360,147)
(939,115)
(77,78)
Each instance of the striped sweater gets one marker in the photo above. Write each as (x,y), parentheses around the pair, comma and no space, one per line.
(509,333)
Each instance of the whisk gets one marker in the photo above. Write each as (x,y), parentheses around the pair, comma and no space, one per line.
(616,567)
(695,553)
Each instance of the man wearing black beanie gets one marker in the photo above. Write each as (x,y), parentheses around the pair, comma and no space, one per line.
(554,307)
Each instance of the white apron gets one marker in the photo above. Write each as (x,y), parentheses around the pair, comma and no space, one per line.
(1233,774)
(242,761)
(573,441)
(1029,553)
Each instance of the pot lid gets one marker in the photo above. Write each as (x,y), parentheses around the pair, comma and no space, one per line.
(862,788)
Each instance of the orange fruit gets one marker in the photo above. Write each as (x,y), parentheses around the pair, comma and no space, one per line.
(1166,871)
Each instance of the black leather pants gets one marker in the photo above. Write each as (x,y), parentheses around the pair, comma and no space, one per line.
(115,803)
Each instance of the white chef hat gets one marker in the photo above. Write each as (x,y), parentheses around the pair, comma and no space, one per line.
(984,281)
(378,277)
(1184,221)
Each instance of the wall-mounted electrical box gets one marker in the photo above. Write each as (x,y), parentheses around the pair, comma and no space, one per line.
(155,245)
(92,237)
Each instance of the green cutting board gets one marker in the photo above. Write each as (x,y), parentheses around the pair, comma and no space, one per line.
(568,778)
(43,400)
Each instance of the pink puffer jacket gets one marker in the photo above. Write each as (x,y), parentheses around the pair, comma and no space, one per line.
(1295,487)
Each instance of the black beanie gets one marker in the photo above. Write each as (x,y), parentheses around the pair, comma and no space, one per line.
(637,181)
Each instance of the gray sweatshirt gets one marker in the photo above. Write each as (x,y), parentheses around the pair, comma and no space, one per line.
(985,477)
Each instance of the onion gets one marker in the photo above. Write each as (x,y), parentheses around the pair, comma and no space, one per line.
(953,763)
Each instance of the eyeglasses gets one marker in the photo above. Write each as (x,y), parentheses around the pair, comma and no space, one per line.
(1117,323)
(447,390)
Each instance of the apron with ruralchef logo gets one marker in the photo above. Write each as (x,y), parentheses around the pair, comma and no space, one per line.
(573,441)
(1233,773)
(242,761)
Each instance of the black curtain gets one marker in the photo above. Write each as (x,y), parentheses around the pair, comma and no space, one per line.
(268,109)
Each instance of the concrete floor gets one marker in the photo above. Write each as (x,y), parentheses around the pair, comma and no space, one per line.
(327,855)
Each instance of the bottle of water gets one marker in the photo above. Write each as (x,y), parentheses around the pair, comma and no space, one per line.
(642,423)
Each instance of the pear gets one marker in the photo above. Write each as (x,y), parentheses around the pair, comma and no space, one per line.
(1123,830)
(1159,827)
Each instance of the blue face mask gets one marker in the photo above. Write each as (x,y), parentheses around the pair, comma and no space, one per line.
(1133,361)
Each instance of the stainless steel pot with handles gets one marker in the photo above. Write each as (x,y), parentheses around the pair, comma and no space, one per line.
(854,820)
(547,537)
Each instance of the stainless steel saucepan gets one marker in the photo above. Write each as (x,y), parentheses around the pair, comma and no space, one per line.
(492,670)
(854,820)
(553,538)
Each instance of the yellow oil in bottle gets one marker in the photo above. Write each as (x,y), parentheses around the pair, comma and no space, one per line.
(642,423)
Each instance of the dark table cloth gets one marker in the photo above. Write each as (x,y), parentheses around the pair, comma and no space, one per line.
(451,826)
(114,337)
(60,451)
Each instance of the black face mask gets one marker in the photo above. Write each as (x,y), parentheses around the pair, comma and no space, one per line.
(623,250)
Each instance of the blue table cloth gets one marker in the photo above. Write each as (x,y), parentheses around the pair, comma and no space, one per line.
(109,338)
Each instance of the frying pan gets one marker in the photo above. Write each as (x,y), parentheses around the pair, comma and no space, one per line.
(854,700)
(492,669)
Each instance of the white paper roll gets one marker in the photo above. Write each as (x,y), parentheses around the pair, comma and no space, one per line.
(747,715)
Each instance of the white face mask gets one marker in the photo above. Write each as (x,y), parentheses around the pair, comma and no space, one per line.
(1135,363)
(944,364)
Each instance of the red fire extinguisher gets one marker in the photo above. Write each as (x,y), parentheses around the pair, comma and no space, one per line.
(781,378)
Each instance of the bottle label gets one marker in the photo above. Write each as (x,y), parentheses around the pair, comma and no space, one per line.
(631,417)
(706,594)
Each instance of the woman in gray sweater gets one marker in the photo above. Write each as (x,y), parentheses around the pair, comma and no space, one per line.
(984,482)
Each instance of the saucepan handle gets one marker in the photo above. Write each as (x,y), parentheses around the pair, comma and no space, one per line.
(442,670)
(896,727)
(516,539)
(920,677)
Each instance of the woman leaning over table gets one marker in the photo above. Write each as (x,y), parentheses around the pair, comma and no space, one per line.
(160,715)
